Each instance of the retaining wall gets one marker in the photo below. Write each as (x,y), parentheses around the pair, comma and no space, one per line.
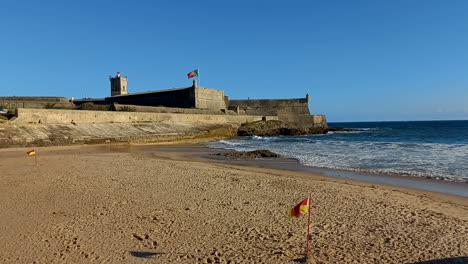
(35,135)
(58,116)
(164,109)
(12,102)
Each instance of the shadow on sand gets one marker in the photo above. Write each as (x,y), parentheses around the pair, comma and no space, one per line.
(144,254)
(300,260)
(456,260)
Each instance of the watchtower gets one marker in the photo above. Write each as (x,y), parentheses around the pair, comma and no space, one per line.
(118,84)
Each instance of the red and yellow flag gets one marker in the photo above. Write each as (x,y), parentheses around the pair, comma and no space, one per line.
(31,152)
(301,208)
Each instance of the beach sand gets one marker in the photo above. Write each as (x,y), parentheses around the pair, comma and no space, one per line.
(111,204)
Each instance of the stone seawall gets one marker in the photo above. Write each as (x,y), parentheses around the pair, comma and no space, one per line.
(54,127)
(57,116)
(37,135)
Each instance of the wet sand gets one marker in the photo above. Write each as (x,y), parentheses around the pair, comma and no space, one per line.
(147,204)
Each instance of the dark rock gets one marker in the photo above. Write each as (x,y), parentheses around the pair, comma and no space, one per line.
(276,128)
(260,153)
(341,129)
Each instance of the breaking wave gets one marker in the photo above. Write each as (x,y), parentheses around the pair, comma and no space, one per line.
(418,150)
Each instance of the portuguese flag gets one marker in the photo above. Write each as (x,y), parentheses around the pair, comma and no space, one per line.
(301,208)
(192,74)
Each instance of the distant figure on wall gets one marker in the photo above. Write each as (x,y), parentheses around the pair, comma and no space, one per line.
(118,75)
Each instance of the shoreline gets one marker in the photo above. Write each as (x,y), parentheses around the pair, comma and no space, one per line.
(193,149)
(290,164)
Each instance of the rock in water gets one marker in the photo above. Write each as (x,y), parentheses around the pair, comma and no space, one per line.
(259,153)
(341,129)
(276,128)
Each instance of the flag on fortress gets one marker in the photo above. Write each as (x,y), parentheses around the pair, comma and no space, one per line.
(192,74)
(31,152)
(301,208)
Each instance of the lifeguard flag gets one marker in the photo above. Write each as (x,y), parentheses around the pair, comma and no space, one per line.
(301,208)
(31,152)
(192,74)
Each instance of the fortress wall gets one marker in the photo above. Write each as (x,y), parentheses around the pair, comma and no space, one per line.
(272,106)
(207,98)
(290,110)
(164,109)
(183,98)
(12,102)
(287,109)
(57,116)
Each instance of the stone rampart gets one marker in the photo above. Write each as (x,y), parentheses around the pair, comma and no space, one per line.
(207,98)
(271,106)
(188,97)
(58,116)
(291,110)
(163,109)
(12,102)
(180,97)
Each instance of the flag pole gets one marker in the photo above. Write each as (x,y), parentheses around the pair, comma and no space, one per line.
(308,230)
(35,159)
(198,76)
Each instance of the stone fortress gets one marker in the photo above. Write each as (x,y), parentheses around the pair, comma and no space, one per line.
(208,100)
(185,113)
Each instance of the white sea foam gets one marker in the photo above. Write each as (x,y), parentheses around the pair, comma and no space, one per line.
(263,138)
(229,143)
(428,160)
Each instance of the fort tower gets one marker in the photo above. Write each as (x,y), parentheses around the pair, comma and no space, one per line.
(118,84)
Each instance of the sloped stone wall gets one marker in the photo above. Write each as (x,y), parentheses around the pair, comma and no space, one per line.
(34,135)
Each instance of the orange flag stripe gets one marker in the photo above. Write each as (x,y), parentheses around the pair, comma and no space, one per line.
(301,208)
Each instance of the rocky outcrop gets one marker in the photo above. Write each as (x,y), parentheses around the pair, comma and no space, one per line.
(276,128)
(280,128)
(255,154)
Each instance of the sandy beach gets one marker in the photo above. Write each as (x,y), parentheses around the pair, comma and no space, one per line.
(123,204)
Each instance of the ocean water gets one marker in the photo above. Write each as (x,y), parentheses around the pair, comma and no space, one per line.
(428,149)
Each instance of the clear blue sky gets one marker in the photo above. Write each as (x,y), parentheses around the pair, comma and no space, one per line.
(359,60)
